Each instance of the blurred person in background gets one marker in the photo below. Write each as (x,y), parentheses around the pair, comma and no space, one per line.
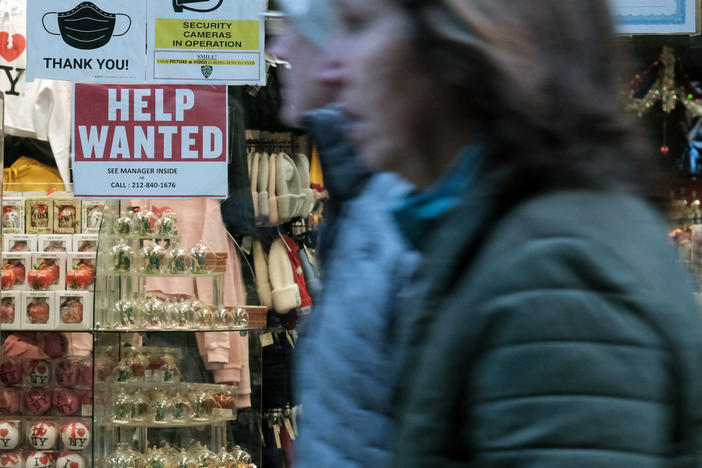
(555,328)
(343,355)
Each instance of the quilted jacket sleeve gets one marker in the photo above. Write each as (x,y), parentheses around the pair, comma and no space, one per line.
(554,355)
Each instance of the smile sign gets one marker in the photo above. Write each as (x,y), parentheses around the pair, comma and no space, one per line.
(96,41)
(150,141)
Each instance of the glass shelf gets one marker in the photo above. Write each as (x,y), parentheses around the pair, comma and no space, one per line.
(166,425)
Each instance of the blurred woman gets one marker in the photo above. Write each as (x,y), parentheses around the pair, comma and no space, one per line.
(555,327)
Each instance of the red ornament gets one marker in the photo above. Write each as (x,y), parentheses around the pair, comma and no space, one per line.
(665,150)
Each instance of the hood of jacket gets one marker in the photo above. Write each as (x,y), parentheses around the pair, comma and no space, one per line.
(344,175)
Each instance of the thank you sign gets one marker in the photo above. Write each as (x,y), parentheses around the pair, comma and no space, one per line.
(94,41)
(150,141)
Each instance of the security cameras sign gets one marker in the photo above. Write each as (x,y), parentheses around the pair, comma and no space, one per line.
(206,41)
(150,141)
(95,41)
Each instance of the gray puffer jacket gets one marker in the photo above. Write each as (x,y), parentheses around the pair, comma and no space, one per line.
(343,352)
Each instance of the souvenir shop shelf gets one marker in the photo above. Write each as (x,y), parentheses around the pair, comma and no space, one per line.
(148,283)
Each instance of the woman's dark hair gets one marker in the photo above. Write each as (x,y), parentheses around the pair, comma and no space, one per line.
(543,76)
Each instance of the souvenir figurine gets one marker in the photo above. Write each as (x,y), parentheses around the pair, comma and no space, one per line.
(67,213)
(75,435)
(122,408)
(80,276)
(123,258)
(154,312)
(166,225)
(198,254)
(42,435)
(41,276)
(162,410)
(124,314)
(177,261)
(9,435)
(152,259)
(143,222)
(123,226)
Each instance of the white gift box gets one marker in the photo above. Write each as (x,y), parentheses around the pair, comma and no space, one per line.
(38,310)
(19,243)
(74,310)
(92,215)
(11,310)
(85,243)
(15,259)
(13,219)
(54,243)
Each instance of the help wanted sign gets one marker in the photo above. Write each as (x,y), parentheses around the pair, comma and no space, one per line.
(150,141)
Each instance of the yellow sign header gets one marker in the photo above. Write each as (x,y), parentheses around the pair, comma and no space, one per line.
(207,34)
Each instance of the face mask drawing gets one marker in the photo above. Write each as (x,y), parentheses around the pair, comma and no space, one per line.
(86,26)
(180,5)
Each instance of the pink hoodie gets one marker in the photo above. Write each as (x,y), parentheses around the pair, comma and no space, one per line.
(226,354)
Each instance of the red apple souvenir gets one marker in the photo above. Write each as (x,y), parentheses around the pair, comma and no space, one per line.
(10,372)
(54,344)
(9,435)
(9,401)
(43,435)
(67,402)
(75,435)
(40,277)
(11,460)
(39,460)
(18,268)
(38,311)
(55,272)
(37,401)
(70,460)
(80,276)
(67,373)
(39,372)
(9,278)
(7,310)
(71,311)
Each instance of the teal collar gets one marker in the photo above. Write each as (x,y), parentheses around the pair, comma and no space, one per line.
(417,215)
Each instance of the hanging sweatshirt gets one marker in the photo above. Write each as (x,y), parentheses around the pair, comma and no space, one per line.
(40,109)
(225,354)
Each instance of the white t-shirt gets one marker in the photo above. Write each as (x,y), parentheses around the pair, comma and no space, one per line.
(41,109)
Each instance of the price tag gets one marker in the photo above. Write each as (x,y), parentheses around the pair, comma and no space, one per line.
(158,376)
(293,415)
(266,339)
(223,413)
(290,340)
(276,433)
(289,428)
(246,244)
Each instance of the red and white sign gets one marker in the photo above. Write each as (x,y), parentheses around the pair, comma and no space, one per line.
(150,141)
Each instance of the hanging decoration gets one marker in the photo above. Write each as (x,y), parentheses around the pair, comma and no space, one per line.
(665,81)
